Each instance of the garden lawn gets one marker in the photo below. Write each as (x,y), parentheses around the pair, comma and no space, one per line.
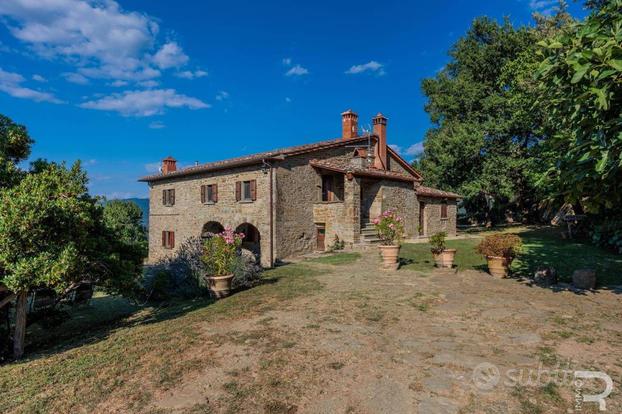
(541,247)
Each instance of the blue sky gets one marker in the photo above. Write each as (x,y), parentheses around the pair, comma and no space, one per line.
(122,84)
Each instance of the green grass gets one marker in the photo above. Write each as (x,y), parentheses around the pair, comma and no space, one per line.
(337,259)
(417,256)
(541,247)
(131,358)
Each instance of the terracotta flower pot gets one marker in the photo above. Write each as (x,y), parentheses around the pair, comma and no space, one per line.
(498,266)
(390,255)
(220,286)
(445,258)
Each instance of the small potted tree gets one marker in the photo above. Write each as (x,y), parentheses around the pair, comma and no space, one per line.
(499,250)
(390,229)
(443,257)
(221,256)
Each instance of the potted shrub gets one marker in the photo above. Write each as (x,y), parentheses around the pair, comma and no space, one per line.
(390,229)
(220,256)
(443,257)
(499,250)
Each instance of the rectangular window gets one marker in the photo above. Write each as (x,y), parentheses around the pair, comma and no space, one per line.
(209,193)
(168,197)
(328,193)
(168,239)
(443,209)
(246,190)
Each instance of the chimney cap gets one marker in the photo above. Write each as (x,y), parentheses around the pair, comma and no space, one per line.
(349,111)
(379,119)
(169,158)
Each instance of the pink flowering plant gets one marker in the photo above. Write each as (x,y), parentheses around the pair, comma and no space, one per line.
(390,228)
(221,251)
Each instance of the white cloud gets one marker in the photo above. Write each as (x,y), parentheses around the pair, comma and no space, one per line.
(157,125)
(288,99)
(39,78)
(97,37)
(149,83)
(222,95)
(287,61)
(396,148)
(144,103)
(118,83)
(188,74)
(371,66)
(415,149)
(153,167)
(297,71)
(11,83)
(170,56)
(546,7)
(76,78)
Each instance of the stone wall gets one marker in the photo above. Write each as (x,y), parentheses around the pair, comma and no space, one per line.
(400,195)
(432,216)
(188,216)
(298,191)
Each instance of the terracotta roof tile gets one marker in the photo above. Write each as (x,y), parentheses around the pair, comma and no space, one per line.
(344,166)
(436,193)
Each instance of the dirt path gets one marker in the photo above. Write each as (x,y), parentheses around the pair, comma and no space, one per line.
(407,342)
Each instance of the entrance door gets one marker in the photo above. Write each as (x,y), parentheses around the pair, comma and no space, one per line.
(422,218)
(321,236)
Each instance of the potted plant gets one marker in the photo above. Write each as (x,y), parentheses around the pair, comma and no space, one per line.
(443,257)
(221,255)
(390,229)
(499,250)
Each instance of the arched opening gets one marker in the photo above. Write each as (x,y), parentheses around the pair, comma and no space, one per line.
(252,238)
(210,228)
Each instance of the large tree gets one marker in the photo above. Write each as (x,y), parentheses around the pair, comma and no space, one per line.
(484,142)
(581,94)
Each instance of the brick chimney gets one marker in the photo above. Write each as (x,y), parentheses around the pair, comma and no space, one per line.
(169,164)
(349,124)
(380,152)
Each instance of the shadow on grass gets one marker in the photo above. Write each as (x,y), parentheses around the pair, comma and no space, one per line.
(544,247)
(108,314)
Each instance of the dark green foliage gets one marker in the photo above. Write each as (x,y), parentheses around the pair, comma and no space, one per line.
(14,147)
(437,241)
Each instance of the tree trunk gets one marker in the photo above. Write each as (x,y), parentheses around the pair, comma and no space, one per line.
(20,324)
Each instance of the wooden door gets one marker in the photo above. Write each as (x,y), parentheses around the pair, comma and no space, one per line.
(321,236)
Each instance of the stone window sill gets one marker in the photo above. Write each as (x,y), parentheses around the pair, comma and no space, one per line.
(209,203)
(445,219)
(329,202)
(245,201)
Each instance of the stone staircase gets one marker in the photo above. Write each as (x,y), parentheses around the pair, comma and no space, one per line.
(368,234)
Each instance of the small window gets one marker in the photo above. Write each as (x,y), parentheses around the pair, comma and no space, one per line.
(209,193)
(444,209)
(327,188)
(168,197)
(246,190)
(168,239)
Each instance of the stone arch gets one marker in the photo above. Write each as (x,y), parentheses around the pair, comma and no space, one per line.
(252,238)
(211,227)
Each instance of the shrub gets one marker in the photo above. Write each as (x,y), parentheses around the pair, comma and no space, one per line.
(390,228)
(608,235)
(500,245)
(221,252)
(438,242)
(247,271)
(337,244)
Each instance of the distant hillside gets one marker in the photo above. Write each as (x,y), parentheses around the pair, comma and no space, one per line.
(143,203)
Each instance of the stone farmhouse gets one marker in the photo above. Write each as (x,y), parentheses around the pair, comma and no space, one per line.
(298,199)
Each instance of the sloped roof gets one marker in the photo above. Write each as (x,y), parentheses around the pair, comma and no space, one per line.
(345,167)
(436,193)
(253,158)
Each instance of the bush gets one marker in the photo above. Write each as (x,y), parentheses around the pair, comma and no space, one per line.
(337,244)
(182,275)
(390,228)
(500,245)
(608,235)
(247,272)
(438,242)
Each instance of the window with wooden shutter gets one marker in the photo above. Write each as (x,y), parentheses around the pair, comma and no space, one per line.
(215,193)
(444,209)
(327,188)
(168,239)
(168,197)
(238,190)
(203,199)
(253,188)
